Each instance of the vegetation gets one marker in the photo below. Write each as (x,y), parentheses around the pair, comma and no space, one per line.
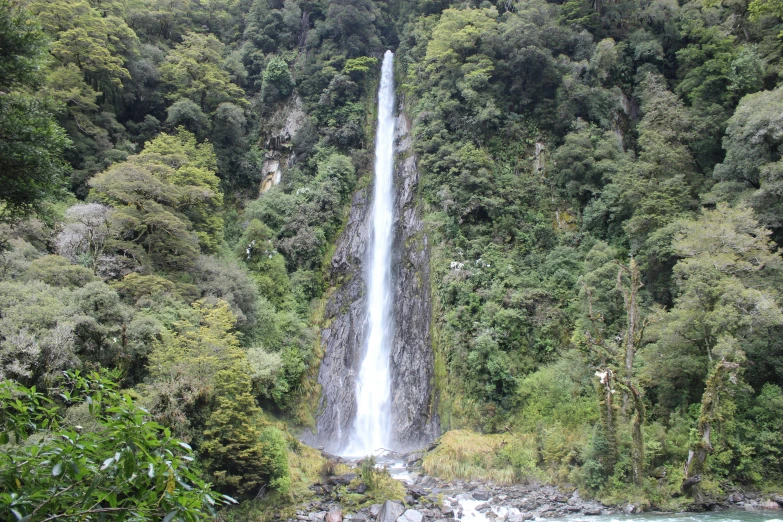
(601,187)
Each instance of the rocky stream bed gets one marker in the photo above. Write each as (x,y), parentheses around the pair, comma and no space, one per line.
(429,499)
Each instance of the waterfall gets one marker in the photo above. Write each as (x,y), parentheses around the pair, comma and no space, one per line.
(371,427)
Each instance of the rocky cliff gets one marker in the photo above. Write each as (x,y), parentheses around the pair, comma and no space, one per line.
(413,409)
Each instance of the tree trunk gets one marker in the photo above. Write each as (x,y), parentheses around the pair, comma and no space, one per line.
(722,373)
(637,450)
(608,419)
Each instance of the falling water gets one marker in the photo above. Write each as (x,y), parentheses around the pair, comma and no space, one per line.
(371,426)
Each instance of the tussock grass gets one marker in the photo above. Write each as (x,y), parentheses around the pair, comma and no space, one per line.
(502,458)
(305,464)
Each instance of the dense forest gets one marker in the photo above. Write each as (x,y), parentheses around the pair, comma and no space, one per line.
(602,187)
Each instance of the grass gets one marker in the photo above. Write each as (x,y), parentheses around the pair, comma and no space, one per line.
(501,458)
(384,488)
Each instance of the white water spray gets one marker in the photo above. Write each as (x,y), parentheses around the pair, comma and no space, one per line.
(371,426)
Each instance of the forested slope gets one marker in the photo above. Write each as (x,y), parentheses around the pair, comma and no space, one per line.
(601,185)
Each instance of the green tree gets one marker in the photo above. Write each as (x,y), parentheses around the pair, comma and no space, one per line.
(232,446)
(96,42)
(276,81)
(726,291)
(193,69)
(753,168)
(31,142)
(166,201)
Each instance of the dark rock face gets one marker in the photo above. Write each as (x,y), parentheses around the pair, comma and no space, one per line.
(414,403)
(343,339)
(413,400)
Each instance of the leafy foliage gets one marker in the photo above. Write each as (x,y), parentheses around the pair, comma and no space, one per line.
(126,468)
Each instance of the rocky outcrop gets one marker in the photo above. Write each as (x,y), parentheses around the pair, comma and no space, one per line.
(413,405)
(283,125)
(342,339)
(414,401)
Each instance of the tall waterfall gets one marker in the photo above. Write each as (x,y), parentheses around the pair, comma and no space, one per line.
(371,429)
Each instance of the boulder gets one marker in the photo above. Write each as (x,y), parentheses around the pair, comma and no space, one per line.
(375,509)
(361,488)
(334,515)
(417,492)
(410,515)
(390,511)
(412,458)
(736,497)
(593,512)
(769,505)
(481,494)
(343,480)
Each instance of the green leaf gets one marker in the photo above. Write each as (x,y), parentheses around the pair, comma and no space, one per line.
(4,438)
(58,468)
(170,516)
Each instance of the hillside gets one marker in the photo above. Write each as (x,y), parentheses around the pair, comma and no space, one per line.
(598,216)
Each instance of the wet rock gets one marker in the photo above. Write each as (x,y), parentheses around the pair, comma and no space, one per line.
(417,492)
(390,511)
(736,497)
(770,505)
(573,509)
(593,512)
(631,509)
(319,516)
(343,480)
(515,517)
(413,405)
(413,457)
(410,515)
(334,515)
(778,499)
(426,481)
(446,510)
(481,494)
(481,508)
